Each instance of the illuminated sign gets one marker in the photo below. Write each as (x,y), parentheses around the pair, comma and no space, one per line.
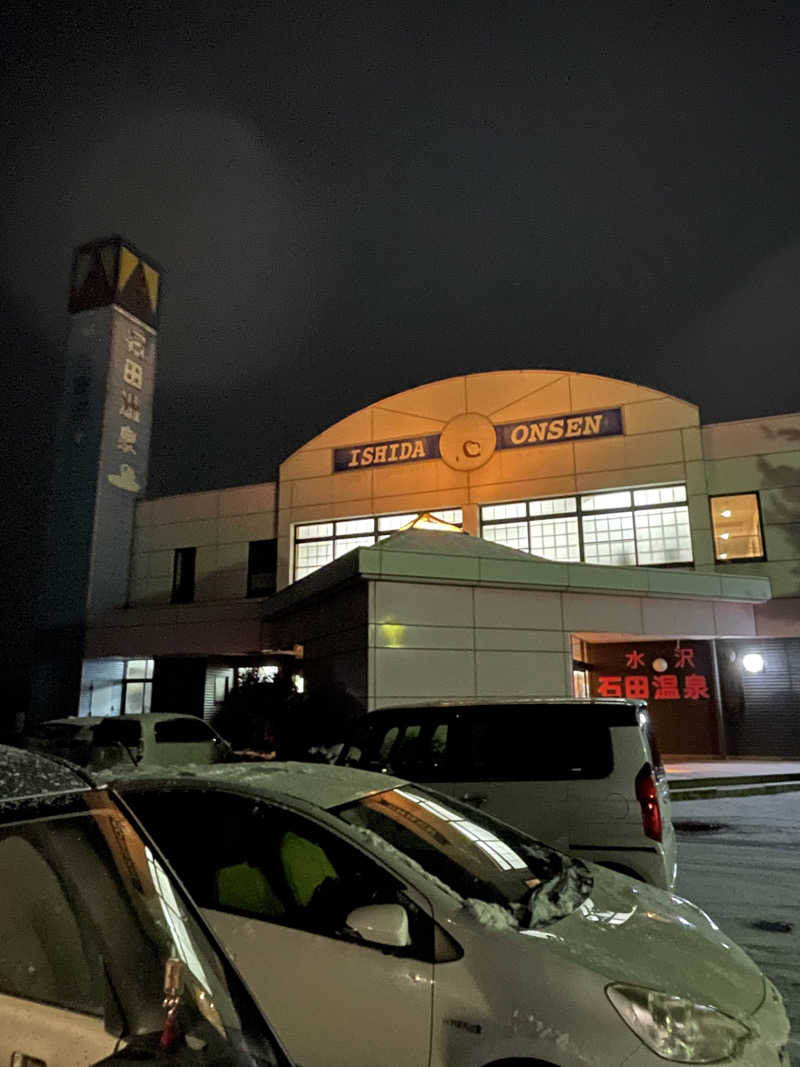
(406,450)
(469,440)
(652,671)
(526,432)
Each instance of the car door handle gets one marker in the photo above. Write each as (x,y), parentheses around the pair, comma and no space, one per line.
(474,798)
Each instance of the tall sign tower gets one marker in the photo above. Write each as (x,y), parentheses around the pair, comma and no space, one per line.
(100,460)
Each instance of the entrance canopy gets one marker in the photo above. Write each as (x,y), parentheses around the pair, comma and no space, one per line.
(439,615)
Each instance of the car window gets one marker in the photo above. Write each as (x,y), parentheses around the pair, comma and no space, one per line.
(72,741)
(387,742)
(540,742)
(49,954)
(240,855)
(90,921)
(472,853)
(123,731)
(186,731)
(415,748)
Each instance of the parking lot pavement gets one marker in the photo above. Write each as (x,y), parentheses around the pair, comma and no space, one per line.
(738,859)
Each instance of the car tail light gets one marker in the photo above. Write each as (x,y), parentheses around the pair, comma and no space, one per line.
(647,795)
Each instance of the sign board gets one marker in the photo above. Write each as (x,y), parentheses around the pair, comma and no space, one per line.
(462,446)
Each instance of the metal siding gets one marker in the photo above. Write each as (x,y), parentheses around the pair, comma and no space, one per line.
(767,721)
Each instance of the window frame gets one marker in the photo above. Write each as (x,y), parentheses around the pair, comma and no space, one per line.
(739,559)
(144,681)
(578,513)
(376,533)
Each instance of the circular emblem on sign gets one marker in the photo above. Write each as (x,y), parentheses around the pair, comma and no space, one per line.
(467,442)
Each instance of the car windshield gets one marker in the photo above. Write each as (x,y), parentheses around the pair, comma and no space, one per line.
(89,920)
(470,852)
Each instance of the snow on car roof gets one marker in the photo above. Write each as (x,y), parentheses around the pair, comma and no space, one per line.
(28,774)
(322,784)
(93,720)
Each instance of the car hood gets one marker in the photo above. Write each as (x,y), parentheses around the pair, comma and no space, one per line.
(632,932)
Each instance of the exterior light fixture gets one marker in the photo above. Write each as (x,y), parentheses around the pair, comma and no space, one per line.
(726,514)
(753,662)
(723,555)
(724,536)
(660,664)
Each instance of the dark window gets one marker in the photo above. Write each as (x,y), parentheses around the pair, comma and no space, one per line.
(543,742)
(118,732)
(262,568)
(182,731)
(416,748)
(183,575)
(239,855)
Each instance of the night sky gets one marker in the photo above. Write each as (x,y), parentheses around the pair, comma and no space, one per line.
(350,200)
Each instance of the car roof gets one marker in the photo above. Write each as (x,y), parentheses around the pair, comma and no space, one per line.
(610,711)
(24,775)
(93,720)
(321,784)
(490,702)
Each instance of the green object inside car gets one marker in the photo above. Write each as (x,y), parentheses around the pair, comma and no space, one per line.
(245,888)
(305,867)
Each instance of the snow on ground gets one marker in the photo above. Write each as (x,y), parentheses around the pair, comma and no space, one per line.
(739,859)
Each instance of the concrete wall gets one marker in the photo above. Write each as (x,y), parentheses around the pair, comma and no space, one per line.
(661,443)
(223,628)
(220,525)
(439,642)
(763,455)
(333,631)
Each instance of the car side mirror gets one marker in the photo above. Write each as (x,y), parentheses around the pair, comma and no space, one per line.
(381,924)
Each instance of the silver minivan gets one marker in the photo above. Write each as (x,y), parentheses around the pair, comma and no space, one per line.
(585,776)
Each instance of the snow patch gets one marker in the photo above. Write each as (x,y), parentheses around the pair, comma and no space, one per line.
(493,916)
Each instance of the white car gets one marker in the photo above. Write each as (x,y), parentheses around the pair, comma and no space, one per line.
(125,741)
(104,960)
(386,925)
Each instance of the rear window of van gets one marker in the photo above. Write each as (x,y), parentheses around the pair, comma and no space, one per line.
(544,742)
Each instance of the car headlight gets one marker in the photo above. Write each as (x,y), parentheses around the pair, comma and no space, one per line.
(675,1028)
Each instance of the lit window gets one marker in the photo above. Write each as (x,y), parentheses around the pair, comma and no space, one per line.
(556,539)
(511,534)
(562,505)
(605,501)
(504,511)
(137,687)
(663,536)
(736,522)
(310,557)
(609,538)
(318,543)
(646,527)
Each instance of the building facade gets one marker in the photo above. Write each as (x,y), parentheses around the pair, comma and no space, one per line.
(614,545)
